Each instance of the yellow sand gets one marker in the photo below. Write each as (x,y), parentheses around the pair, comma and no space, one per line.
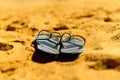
(96,20)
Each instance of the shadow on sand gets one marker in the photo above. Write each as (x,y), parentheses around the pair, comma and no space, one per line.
(42,57)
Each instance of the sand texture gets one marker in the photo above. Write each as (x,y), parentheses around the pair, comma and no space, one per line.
(96,20)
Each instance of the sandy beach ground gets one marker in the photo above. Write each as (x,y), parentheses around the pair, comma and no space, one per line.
(96,20)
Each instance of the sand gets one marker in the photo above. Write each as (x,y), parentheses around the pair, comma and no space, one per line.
(96,20)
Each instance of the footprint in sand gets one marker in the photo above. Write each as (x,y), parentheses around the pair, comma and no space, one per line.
(116,37)
(10,28)
(108,63)
(61,27)
(5,47)
(102,61)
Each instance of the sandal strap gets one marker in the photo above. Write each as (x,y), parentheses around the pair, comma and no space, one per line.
(63,36)
(50,36)
(61,39)
(84,40)
(55,33)
(44,31)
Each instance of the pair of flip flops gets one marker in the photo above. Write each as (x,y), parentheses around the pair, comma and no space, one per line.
(56,44)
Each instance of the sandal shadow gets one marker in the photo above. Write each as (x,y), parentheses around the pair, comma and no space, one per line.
(42,57)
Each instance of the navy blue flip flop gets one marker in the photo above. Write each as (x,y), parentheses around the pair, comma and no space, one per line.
(47,42)
(72,44)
